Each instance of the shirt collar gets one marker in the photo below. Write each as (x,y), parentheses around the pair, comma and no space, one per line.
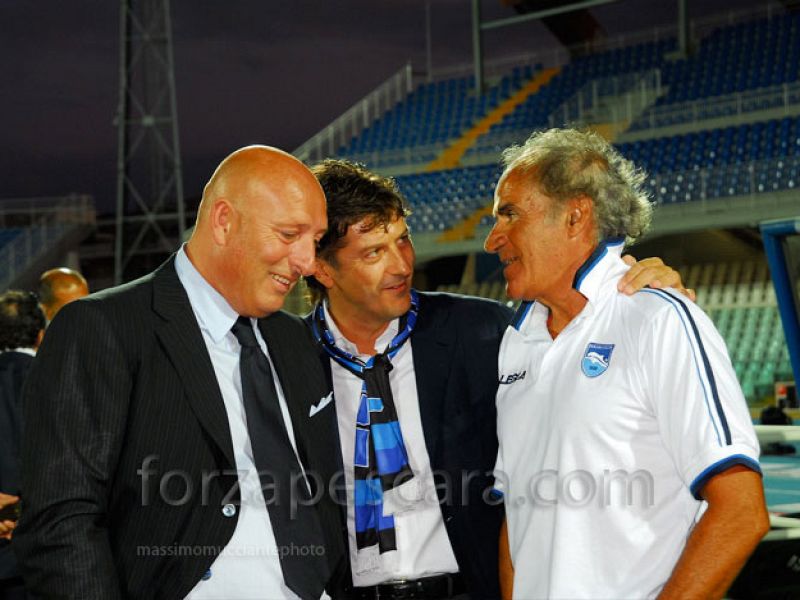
(603,264)
(212,311)
(343,343)
(29,351)
(595,270)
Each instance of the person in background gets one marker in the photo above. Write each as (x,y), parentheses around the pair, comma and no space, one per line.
(22,324)
(58,287)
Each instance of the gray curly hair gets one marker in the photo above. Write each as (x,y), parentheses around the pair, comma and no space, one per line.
(566,163)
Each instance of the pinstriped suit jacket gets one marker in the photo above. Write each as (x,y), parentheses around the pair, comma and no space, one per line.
(127,457)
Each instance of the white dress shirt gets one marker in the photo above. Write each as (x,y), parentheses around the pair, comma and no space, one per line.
(249,566)
(423,548)
(28,351)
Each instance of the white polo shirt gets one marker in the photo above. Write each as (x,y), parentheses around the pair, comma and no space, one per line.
(607,434)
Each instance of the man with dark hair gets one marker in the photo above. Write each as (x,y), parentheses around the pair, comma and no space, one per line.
(58,287)
(22,325)
(414,377)
(21,321)
(169,448)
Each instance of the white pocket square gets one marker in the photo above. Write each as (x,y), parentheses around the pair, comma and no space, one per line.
(323,402)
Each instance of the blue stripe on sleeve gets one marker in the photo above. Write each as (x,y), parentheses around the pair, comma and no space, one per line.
(718,467)
(709,371)
(668,298)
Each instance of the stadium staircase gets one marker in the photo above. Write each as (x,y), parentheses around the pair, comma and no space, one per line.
(428,120)
(451,156)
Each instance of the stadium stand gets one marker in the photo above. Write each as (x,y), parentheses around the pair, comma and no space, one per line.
(720,160)
(430,118)
(535,111)
(740,57)
(7,235)
(708,164)
(738,104)
(721,124)
(779,138)
(442,198)
(694,166)
(740,299)
(35,230)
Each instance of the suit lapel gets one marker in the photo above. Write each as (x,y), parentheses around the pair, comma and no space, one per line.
(333,424)
(297,366)
(329,420)
(183,342)
(431,343)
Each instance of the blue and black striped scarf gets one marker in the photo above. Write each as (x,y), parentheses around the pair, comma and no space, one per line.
(381,460)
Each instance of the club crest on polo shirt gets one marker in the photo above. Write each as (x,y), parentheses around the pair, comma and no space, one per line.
(596,359)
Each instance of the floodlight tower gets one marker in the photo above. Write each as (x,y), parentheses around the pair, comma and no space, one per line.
(150,211)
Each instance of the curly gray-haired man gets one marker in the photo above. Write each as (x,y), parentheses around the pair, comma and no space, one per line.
(627,461)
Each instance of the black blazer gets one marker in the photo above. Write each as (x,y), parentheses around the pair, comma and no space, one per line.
(14,368)
(455,345)
(121,393)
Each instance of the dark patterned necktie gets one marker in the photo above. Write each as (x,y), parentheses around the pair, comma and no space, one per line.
(295,521)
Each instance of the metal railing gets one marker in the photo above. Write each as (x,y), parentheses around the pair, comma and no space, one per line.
(612,100)
(40,222)
(15,212)
(766,9)
(785,96)
(744,179)
(407,155)
(358,117)
(557,56)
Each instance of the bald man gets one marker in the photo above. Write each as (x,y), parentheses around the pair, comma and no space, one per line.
(171,450)
(58,287)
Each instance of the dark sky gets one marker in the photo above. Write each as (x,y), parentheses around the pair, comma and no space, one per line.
(247,71)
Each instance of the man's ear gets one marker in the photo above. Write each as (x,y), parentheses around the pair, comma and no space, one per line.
(322,273)
(580,215)
(223,219)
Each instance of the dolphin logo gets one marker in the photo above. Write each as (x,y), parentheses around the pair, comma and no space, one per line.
(596,359)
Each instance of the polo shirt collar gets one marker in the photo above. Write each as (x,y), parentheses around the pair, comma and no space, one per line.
(588,281)
(593,272)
